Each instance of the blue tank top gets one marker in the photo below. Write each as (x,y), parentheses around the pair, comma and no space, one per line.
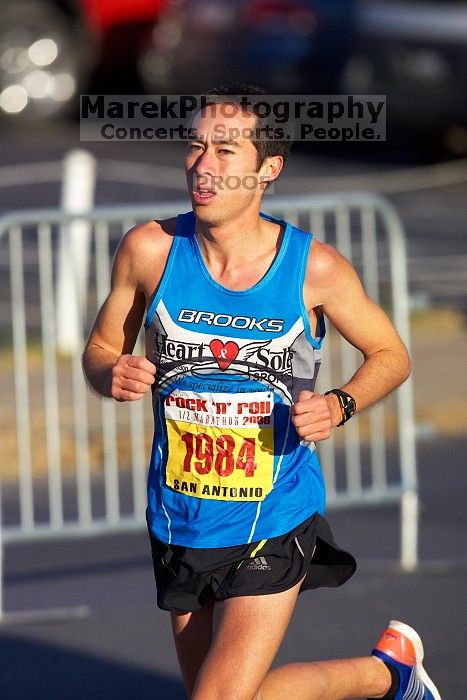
(227,465)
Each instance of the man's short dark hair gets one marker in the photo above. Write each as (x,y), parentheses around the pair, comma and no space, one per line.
(232,93)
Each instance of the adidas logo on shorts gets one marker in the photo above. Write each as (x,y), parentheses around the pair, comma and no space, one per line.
(259,564)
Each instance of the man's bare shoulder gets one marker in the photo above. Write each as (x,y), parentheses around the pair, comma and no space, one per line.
(143,251)
(325,262)
(152,236)
(328,273)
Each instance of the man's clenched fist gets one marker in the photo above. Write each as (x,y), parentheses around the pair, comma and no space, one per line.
(311,416)
(132,377)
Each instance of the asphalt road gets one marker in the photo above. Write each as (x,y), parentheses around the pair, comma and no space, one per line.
(123,650)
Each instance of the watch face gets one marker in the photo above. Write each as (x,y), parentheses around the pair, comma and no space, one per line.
(349,405)
(352,405)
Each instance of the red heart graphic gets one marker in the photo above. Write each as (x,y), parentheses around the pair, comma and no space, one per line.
(225,354)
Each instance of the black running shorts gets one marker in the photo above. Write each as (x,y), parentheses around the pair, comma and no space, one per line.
(187,578)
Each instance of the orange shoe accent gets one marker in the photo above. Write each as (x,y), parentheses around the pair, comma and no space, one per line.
(397,646)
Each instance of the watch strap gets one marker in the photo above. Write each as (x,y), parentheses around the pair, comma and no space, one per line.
(346,403)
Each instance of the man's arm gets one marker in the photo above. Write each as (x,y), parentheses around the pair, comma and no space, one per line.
(333,285)
(107,361)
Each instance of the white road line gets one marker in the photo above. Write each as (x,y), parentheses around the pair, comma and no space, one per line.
(165,176)
(409,179)
(30,173)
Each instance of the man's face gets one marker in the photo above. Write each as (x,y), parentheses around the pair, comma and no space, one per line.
(221,164)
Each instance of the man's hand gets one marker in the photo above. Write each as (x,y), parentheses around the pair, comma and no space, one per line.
(312,417)
(132,377)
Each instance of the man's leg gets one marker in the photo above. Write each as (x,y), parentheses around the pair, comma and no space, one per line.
(193,635)
(327,680)
(247,633)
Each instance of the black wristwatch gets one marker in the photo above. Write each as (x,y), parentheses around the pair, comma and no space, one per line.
(346,402)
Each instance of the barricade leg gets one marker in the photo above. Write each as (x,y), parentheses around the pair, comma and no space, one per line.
(409,530)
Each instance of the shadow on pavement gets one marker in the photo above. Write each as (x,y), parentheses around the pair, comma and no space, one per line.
(30,669)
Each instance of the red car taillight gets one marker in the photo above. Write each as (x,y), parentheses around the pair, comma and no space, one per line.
(273,16)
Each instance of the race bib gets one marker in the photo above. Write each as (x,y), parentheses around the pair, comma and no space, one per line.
(221,446)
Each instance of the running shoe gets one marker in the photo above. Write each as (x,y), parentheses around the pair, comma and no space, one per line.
(401,647)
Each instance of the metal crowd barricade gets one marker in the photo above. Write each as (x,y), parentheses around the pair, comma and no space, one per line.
(75,465)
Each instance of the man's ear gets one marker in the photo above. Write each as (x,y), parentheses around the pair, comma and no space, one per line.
(270,168)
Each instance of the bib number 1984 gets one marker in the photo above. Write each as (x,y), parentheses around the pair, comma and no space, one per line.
(224,455)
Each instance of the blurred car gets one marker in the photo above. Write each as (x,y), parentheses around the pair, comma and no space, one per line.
(415,52)
(288,46)
(49,48)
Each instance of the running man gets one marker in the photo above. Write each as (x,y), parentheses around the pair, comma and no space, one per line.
(234,302)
